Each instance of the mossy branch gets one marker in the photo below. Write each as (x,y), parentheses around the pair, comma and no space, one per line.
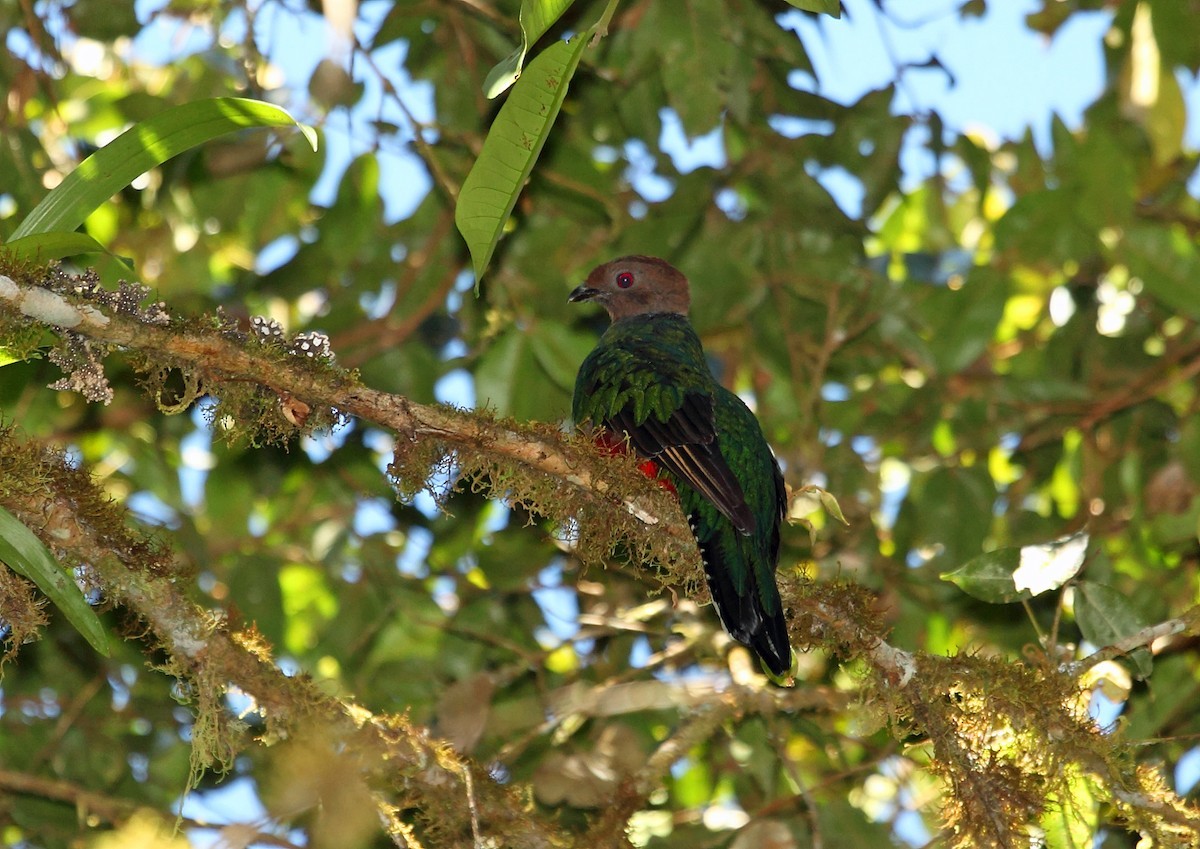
(70,514)
(1010,739)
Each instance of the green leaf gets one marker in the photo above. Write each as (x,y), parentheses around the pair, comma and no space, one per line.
(968,319)
(989,577)
(1166,261)
(43,247)
(820,7)
(25,555)
(536,17)
(144,146)
(694,55)
(498,375)
(1105,616)
(559,351)
(490,191)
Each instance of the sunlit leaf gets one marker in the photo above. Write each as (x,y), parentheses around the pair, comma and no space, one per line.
(536,17)
(514,142)
(26,555)
(145,146)
(44,247)
(1048,567)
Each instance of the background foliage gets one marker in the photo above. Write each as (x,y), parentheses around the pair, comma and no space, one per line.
(998,354)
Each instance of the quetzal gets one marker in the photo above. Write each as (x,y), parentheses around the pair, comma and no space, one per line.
(648,380)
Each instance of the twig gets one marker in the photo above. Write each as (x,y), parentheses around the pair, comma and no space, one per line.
(472,806)
(1189,622)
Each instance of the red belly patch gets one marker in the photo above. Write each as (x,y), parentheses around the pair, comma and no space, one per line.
(612,445)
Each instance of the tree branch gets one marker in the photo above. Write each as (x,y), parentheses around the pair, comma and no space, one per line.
(425,770)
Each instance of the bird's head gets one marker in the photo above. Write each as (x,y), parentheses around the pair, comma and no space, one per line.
(635,285)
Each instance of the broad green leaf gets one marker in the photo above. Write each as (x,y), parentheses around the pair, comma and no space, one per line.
(1009,574)
(694,55)
(989,577)
(144,146)
(1105,616)
(27,556)
(44,247)
(559,350)
(1149,91)
(821,7)
(536,17)
(512,147)
(501,367)
(968,319)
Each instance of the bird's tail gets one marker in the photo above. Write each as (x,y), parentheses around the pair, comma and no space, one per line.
(750,609)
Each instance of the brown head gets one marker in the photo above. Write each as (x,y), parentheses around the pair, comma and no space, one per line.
(636,285)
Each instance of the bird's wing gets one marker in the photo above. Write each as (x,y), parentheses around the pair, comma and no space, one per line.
(686,444)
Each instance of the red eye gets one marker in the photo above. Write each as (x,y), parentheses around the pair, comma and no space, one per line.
(624,280)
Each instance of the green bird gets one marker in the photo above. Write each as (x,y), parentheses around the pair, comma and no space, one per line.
(647,380)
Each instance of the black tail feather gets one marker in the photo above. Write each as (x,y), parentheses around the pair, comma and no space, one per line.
(743,614)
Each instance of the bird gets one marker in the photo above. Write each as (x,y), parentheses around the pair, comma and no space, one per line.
(647,384)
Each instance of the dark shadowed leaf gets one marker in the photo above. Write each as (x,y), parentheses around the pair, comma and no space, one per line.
(1105,615)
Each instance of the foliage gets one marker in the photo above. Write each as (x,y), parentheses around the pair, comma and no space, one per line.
(990,364)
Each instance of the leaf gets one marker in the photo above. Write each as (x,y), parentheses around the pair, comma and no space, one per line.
(27,556)
(989,577)
(43,247)
(828,503)
(694,55)
(1105,616)
(820,7)
(968,319)
(512,147)
(500,370)
(559,351)
(536,17)
(1166,261)
(1048,567)
(143,146)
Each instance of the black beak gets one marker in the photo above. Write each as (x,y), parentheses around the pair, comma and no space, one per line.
(582,293)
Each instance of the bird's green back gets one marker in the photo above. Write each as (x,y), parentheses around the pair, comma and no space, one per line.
(648,363)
